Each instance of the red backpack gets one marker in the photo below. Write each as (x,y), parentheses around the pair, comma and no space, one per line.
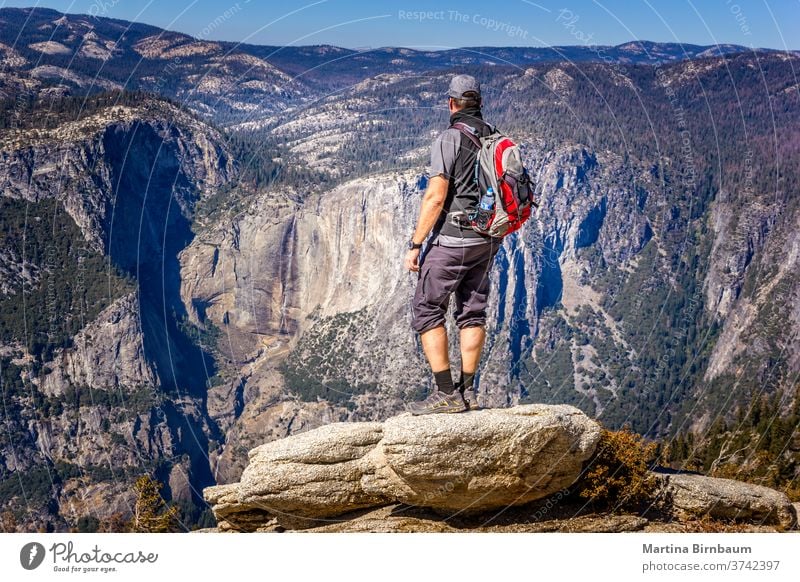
(498,165)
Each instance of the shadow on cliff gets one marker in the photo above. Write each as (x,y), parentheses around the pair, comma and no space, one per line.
(149,227)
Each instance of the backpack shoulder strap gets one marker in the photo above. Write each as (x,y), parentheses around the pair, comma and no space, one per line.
(469,132)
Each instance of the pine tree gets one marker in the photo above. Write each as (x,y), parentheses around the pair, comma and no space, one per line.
(151,513)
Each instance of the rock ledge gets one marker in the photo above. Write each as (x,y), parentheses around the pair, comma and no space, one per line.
(450,463)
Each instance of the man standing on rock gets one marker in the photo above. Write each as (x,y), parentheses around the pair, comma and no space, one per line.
(457,259)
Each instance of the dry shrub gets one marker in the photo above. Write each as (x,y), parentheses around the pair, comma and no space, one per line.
(617,476)
(793,491)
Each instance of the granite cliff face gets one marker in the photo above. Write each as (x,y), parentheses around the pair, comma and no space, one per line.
(753,282)
(108,354)
(106,403)
(281,273)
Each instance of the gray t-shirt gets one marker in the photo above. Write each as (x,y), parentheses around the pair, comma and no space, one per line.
(443,160)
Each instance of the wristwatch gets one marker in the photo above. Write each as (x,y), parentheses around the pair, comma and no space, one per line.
(412,245)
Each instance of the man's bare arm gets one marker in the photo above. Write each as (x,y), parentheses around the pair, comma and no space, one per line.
(432,203)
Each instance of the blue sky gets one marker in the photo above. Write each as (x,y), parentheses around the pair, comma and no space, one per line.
(445,24)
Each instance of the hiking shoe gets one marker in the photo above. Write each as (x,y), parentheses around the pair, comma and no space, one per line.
(470,397)
(438,402)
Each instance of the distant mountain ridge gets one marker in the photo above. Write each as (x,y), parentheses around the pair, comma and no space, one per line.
(225,80)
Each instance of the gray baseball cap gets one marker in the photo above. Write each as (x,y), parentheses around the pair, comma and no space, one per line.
(461,84)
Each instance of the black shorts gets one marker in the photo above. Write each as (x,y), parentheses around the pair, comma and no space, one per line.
(463,271)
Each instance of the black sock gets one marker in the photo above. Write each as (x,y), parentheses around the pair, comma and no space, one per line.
(444,381)
(467,379)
